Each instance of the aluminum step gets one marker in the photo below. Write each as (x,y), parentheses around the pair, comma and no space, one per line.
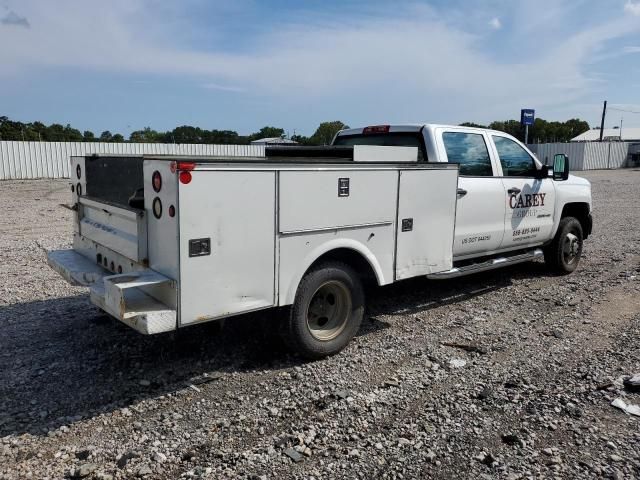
(491,264)
(144,300)
(74,268)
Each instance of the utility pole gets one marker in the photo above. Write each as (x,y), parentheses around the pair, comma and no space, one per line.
(604,113)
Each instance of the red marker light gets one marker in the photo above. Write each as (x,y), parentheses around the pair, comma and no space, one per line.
(186,166)
(156,181)
(172,211)
(376,129)
(185,177)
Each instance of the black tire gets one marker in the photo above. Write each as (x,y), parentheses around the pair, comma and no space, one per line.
(563,254)
(326,313)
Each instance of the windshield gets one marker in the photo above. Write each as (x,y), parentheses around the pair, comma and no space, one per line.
(394,139)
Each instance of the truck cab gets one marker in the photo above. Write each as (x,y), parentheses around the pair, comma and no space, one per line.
(507,200)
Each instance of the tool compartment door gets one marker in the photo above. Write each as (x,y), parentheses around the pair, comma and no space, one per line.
(426,222)
(227,240)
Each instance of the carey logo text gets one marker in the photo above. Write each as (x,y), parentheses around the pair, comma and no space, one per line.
(527,200)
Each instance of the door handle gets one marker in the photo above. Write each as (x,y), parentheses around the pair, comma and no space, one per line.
(461,192)
(514,191)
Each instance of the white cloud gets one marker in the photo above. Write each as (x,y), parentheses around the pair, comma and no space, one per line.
(495,23)
(410,67)
(224,88)
(632,7)
(631,49)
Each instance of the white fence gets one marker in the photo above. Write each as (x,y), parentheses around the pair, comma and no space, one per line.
(586,155)
(23,160)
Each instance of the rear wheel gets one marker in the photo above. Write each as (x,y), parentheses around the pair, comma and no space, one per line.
(326,312)
(564,252)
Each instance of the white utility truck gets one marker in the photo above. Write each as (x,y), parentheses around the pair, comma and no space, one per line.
(165,242)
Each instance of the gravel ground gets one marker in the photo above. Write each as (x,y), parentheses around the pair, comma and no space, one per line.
(83,396)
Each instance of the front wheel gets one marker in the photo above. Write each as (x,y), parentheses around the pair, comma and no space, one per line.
(326,312)
(564,252)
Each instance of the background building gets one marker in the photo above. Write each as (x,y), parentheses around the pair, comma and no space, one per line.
(610,134)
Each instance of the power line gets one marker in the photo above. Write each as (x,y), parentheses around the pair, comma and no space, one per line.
(623,110)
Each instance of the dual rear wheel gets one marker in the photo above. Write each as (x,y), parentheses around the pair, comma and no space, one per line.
(327,311)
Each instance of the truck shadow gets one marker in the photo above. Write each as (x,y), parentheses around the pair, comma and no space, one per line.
(63,360)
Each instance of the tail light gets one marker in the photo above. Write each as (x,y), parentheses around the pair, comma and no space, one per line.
(185,177)
(156,181)
(376,129)
(172,211)
(78,172)
(185,166)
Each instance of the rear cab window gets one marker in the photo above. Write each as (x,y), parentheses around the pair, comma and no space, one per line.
(470,151)
(390,139)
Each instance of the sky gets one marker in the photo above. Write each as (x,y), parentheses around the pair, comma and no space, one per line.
(122,65)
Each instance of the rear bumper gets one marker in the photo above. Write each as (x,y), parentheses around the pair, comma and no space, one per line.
(132,298)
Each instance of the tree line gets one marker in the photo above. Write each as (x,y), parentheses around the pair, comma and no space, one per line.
(38,131)
(540,132)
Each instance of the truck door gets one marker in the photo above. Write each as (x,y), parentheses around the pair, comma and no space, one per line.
(480,207)
(529,201)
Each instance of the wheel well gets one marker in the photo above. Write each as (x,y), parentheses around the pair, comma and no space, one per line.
(581,212)
(352,258)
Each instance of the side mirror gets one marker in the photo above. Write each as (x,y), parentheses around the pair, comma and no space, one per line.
(560,167)
(542,173)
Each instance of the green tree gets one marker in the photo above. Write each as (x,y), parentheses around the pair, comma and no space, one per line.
(39,130)
(186,134)
(473,125)
(106,136)
(88,136)
(266,132)
(146,135)
(512,127)
(55,133)
(223,136)
(301,139)
(117,138)
(72,134)
(325,132)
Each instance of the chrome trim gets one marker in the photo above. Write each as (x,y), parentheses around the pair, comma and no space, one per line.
(341,227)
(488,265)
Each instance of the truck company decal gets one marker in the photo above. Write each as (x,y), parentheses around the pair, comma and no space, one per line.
(527,200)
(482,238)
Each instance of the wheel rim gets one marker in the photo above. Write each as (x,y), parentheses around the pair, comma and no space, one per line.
(571,248)
(329,310)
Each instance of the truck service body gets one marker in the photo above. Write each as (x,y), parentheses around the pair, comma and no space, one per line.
(167,242)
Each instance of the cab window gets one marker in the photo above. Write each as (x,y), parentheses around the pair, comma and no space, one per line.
(393,139)
(470,151)
(515,160)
